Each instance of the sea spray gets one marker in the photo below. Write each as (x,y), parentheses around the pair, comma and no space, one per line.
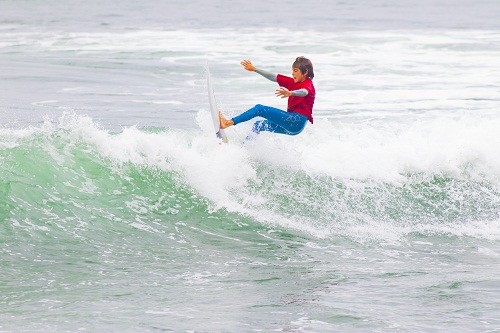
(427,176)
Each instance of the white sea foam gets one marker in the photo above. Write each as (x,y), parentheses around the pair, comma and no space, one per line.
(365,157)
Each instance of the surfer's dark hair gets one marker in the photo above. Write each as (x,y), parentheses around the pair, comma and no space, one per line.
(305,65)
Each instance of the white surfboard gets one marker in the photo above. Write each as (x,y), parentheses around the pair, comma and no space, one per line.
(214,109)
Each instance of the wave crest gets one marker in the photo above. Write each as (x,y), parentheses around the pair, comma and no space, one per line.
(366,180)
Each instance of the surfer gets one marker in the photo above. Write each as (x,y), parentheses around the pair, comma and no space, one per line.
(300,92)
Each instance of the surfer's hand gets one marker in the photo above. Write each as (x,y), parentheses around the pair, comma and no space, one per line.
(283,93)
(248,65)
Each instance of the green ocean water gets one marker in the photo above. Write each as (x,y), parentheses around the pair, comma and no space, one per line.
(105,240)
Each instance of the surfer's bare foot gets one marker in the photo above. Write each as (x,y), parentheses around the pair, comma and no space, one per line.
(223,122)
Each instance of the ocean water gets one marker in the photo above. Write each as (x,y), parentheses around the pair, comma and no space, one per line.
(121,212)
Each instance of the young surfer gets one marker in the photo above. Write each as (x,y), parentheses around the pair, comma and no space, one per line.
(300,92)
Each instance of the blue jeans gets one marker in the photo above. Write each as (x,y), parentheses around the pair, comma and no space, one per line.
(277,121)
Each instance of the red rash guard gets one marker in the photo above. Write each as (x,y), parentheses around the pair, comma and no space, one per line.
(302,105)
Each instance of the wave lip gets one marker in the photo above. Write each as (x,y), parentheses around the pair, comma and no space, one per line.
(368,180)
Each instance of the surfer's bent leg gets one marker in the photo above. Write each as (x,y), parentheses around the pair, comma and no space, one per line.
(277,121)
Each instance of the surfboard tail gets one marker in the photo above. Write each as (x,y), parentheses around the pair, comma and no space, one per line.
(214,109)
(221,135)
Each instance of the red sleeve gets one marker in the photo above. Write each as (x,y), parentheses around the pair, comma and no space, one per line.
(309,87)
(285,81)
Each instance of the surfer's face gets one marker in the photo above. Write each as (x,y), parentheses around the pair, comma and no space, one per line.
(297,75)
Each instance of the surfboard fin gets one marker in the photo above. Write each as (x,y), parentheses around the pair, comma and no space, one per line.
(222,136)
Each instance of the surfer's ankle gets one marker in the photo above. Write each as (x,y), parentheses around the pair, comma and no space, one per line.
(224,123)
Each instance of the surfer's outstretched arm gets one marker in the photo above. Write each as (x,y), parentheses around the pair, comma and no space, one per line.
(250,67)
(267,75)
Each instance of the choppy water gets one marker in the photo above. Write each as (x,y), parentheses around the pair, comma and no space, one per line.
(121,212)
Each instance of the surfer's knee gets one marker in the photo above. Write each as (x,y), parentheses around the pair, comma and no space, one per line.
(259,108)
